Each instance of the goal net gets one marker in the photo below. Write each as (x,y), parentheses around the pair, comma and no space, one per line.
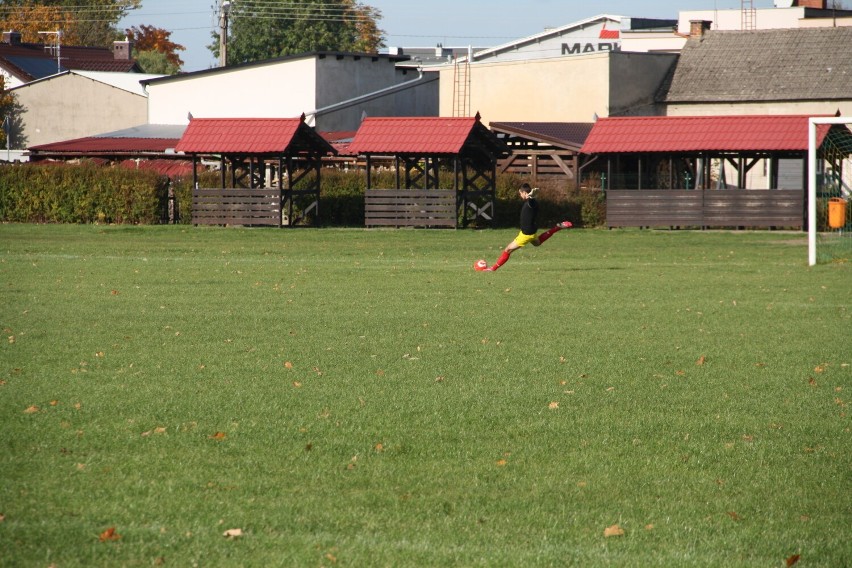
(829,189)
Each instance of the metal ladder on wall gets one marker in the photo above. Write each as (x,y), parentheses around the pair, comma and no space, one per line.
(461,86)
(747,15)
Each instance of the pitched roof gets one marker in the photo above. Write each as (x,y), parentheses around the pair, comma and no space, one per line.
(421,135)
(250,136)
(700,133)
(764,65)
(130,82)
(31,61)
(569,135)
(94,145)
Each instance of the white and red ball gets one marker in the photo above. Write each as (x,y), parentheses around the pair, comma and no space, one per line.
(480,264)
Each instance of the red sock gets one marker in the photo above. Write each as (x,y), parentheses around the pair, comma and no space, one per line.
(547,234)
(501,261)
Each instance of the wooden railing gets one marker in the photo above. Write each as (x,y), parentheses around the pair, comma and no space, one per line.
(259,206)
(410,208)
(779,208)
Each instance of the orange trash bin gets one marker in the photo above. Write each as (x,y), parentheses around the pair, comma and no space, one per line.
(836,212)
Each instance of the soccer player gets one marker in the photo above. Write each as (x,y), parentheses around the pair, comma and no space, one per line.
(527,234)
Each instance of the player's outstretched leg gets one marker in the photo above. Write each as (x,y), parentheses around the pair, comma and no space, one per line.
(500,261)
(549,233)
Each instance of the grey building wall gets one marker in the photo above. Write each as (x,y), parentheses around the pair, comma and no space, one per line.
(635,79)
(351,87)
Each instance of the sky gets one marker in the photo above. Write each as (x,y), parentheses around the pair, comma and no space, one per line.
(426,23)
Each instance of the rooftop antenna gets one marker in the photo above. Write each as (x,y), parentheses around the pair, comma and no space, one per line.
(56,47)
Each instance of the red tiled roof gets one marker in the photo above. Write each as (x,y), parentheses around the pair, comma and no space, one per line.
(700,133)
(172,168)
(107,145)
(19,60)
(412,135)
(249,136)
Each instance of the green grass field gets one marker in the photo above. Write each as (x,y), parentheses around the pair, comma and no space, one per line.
(364,398)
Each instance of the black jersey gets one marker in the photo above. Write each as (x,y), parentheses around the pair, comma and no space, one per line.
(529,211)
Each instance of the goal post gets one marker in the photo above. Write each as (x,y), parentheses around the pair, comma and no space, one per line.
(829,171)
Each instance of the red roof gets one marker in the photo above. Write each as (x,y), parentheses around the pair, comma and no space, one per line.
(412,135)
(700,133)
(171,168)
(96,144)
(249,136)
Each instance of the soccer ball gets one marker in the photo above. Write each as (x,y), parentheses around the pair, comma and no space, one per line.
(480,265)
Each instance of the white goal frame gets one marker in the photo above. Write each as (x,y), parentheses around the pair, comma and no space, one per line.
(812,179)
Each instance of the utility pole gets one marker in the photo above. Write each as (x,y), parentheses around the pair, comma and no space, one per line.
(224,9)
(7,128)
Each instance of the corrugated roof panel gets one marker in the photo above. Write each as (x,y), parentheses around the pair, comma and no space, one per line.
(699,133)
(238,135)
(94,144)
(417,135)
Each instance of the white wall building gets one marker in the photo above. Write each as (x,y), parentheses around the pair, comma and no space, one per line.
(334,90)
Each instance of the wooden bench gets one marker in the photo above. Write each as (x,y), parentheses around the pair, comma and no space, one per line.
(410,208)
(260,206)
(705,208)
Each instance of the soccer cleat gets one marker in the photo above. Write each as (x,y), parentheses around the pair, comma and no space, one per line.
(564,225)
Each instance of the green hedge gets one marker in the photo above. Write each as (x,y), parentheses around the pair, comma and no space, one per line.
(89,193)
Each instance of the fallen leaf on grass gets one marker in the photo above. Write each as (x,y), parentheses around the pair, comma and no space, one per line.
(109,534)
(233,533)
(792,560)
(218,436)
(819,368)
(288,365)
(31,409)
(701,360)
(734,515)
(501,462)
(613,530)
(553,405)
(157,430)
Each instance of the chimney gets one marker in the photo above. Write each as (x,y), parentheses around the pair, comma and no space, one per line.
(121,49)
(698,27)
(12,37)
(818,4)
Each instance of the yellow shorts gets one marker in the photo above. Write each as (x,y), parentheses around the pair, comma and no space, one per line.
(523,240)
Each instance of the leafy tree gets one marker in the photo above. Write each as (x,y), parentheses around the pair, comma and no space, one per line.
(82,22)
(154,49)
(155,62)
(266,29)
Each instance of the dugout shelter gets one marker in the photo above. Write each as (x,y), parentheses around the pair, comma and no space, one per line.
(269,170)
(419,149)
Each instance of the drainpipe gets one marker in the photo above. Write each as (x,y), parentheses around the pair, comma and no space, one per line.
(310,117)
